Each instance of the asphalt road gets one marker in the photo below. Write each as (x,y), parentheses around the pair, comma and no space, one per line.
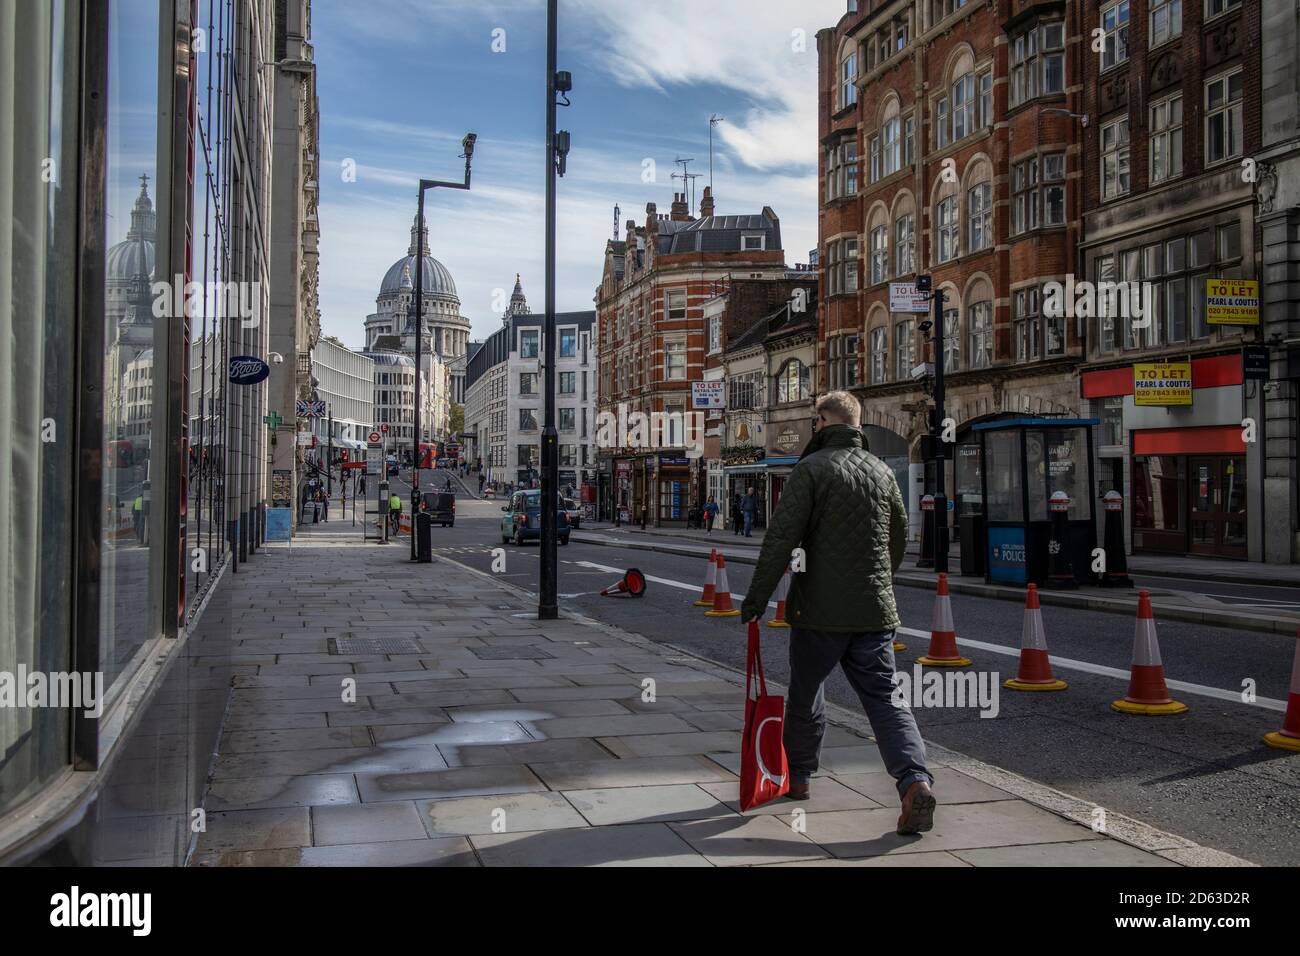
(1204,775)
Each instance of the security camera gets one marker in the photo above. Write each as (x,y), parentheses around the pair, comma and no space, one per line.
(277,358)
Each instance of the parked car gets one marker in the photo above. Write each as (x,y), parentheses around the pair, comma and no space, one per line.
(523,518)
(574,511)
(441,507)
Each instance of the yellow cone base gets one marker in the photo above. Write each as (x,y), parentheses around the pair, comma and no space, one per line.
(1282,742)
(929,661)
(1015,684)
(778,623)
(1149,710)
(722,614)
(697,603)
(899,646)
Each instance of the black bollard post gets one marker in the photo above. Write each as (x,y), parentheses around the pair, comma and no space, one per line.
(1116,573)
(926,560)
(1061,573)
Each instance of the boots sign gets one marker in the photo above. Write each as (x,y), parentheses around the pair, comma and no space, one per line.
(248,370)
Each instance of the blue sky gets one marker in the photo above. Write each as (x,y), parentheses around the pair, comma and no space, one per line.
(401,81)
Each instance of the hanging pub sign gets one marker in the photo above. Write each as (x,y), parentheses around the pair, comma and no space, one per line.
(1162,383)
(248,370)
(1231,302)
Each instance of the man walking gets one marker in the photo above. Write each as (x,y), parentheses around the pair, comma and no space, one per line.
(747,507)
(842,506)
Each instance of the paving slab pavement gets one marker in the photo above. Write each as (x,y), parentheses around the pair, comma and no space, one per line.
(557,754)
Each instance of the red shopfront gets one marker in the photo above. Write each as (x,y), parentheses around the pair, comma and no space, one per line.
(1187,466)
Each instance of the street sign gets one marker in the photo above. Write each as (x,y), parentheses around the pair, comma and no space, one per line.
(305,438)
(708,394)
(384,428)
(309,409)
(908,297)
(375,439)
(1254,363)
(1231,302)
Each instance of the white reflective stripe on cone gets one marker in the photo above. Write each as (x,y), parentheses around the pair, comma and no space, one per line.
(942,620)
(1146,650)
(711,575)
(1032,635)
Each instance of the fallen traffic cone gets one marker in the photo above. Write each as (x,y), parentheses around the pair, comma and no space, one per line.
(1035,669)
(782,592)
(943,639)
(1147,693)
(722,594)
(1288,738)
(632,582)
(710,581)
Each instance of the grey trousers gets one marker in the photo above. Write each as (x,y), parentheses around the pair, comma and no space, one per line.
(867,658)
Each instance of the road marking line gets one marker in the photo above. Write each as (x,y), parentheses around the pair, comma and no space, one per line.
(1066,663)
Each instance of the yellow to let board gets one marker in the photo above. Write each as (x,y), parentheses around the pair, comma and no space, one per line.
(1231,302)
(1162,383)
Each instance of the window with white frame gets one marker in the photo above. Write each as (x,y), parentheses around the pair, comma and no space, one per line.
(979,215)
(909,138)
(985,82)
(753,243)
(1214,7)
(879,253)
(715,333)
(904,244)
(1037,63)
(675,305)
(1165,20)
(1223,117)
(962,99)
(879,355)
(744,391)
(891,146)
(842,266)
(942,131)
(1166,138)
(842,169)
(849,78)
(568,419)
(1114,159)
(979,318)
(793,382)
(675,358)
(1026,325)
(528,339)
(1053,189)
(904,351)
(948,230)
(1104,269)
(951,340)
(1114,27)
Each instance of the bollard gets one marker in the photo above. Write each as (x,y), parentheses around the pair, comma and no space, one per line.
(926,560)
(1116,574)
(1060,572)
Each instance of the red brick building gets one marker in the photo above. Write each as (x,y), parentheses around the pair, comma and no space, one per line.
(1173,98)
(653,345)
(949,147)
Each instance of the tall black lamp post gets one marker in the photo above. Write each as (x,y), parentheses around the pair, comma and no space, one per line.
(557,150)
(467,152)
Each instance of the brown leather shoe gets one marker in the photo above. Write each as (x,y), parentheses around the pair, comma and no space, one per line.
(918,809)
(799,791)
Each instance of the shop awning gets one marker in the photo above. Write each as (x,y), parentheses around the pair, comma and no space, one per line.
(750,469)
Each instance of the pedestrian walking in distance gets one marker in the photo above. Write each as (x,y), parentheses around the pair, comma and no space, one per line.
(841,504)
(710,512)
(748,505)
(325,506)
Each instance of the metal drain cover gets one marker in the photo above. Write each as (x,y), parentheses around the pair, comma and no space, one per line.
(375,645)
(510,653)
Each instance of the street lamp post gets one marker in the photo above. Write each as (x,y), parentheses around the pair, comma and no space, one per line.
(467,152)
(557,150)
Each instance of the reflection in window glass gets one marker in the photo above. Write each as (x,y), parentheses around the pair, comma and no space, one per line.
(37,272)
(1158,493)
(129,615)
(1006,501)
(1067,467)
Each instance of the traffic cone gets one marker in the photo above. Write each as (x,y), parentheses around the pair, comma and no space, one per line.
(1147,693)
(1035,669)
(1288,738)
(943,639)
(722,594)
(899,646)
(710,580)
(782,592)
(632,582)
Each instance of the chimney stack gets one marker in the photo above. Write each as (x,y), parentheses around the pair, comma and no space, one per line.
(706,204)
(680,211)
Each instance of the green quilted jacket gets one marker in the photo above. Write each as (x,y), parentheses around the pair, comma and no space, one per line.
(841,504)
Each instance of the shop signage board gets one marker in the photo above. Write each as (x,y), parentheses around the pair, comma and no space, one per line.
(1231,302)
(1007,555)
(1254,363)
(310,409)
(1162,383)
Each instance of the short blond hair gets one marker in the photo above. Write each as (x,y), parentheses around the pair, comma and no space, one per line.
(842,407)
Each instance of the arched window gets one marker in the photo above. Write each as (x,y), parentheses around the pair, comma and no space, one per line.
(904,350)
(951,331)
(979,207)
(848,74)
(904,236)
(879,345)
(979,324)
(947,225)
(792,382)
(878,238)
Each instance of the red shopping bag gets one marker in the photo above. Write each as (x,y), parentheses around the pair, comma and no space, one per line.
(764,774)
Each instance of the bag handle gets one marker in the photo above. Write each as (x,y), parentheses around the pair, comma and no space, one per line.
(754,663)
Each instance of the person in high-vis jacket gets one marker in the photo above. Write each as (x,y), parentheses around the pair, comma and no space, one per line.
(395,511)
